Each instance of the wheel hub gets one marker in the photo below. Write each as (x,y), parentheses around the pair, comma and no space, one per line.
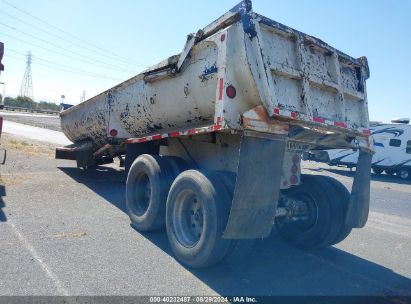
(142,194)
(303,211)
(188,219)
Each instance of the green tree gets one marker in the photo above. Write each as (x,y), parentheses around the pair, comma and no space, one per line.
(28,103)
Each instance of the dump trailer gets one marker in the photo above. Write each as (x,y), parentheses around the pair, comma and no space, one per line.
(212,138)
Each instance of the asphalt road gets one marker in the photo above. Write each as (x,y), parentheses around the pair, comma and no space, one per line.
(64,231)
(36,133)
(46,121)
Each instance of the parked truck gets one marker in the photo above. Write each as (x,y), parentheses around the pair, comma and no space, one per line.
(212,138)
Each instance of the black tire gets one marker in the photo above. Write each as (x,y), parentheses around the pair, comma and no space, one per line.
(148,182)
(197,210)
(342,198)
(229,178)
(404,173)
(326,204)
(306,234)
(390,172)
(377,170)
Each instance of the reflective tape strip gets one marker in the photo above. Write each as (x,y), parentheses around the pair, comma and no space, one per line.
(220,89)
(339,124)
(189,132)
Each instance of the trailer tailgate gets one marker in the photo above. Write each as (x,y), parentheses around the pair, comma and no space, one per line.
(302,78)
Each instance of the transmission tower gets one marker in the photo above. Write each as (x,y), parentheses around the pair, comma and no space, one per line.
(83,96)
(26,89)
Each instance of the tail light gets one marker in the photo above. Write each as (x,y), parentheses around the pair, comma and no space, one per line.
(231,91)
(113,132)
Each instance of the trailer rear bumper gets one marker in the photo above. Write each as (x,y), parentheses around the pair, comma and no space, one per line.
(82,153)
(68,152)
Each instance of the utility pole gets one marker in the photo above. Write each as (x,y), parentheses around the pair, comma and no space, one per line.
(26,89)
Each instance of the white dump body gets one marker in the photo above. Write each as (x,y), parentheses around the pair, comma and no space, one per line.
(287,74)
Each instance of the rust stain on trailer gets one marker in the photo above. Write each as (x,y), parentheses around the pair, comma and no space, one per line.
(257,119)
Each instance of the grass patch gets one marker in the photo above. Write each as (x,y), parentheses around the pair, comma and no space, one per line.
(30,148)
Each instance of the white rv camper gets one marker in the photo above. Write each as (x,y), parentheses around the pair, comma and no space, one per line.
(392,150)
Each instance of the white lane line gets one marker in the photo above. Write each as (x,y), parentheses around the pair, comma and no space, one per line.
(58,284)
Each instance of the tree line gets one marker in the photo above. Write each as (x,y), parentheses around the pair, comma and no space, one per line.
(26,102)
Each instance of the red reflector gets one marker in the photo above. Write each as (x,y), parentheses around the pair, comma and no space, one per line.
(230,91)
(113,132)
(222,38)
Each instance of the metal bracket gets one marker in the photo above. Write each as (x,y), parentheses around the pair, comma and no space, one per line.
(240,11)
(186,51)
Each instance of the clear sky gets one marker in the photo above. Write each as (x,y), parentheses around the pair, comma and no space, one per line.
(131,35)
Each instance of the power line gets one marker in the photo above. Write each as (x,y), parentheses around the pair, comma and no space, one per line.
(61,65)
(59,53)
(79,73)
(66,33)
(59,47)
(70,71)
(61,38)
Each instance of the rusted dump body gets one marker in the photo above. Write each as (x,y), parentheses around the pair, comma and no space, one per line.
(287,74)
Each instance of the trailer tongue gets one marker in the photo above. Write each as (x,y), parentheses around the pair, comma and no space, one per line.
(213,138)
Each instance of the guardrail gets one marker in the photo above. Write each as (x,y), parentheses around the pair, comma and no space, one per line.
(21,109)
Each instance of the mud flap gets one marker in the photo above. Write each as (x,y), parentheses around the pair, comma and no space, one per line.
(359,204)
(257,186)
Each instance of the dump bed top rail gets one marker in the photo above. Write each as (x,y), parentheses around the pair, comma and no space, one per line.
(311,39)
(243,11)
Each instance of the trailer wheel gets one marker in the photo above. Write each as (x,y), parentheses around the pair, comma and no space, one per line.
(377,170)
(342,198)
(404,173)
(321,204)
(147,185)
(197,210)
